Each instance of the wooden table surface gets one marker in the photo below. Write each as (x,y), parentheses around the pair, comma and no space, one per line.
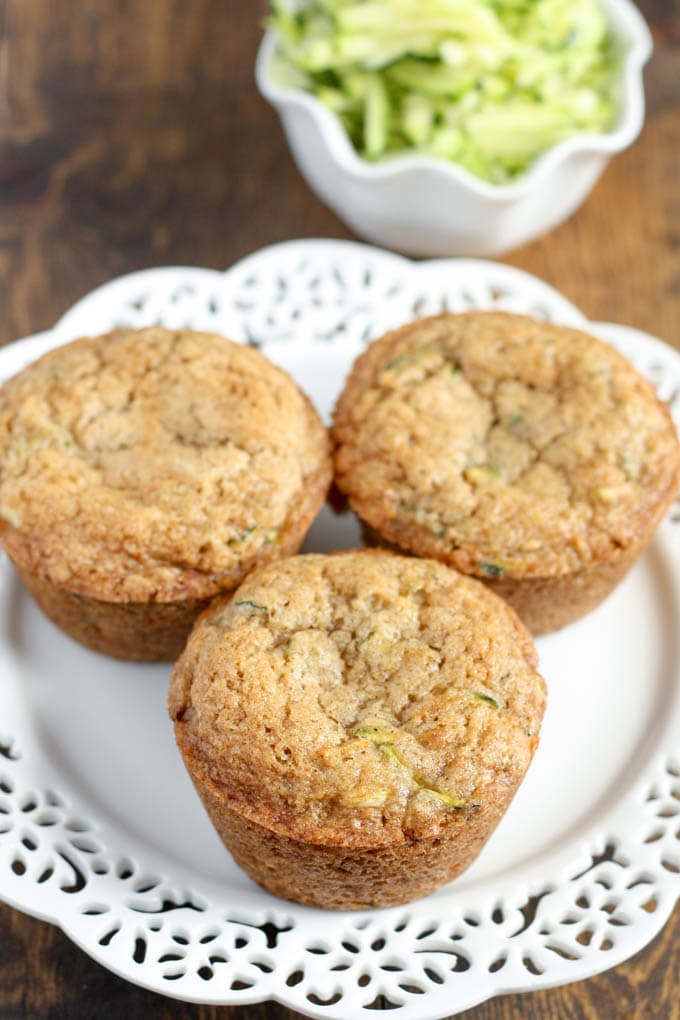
(131,135)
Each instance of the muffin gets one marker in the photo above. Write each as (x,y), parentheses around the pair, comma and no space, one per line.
(143,472)
(357,724)
(531,456)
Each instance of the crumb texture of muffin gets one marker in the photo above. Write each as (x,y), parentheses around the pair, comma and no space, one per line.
(153,467)
(357,724)
(527,454)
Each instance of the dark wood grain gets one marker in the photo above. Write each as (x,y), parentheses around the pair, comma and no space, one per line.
(131,135)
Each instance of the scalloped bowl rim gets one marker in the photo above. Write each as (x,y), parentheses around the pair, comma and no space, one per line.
(638,41)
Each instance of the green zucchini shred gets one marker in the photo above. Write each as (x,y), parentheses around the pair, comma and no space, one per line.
(382,739)
(492,569)
(486,698)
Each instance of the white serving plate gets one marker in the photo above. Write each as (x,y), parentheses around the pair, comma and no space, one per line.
(102,834)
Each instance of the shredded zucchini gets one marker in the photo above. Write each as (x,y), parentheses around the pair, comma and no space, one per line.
(488,84)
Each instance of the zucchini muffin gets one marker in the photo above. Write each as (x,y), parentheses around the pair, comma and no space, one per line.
(143,472)
(526,454)
(357,724)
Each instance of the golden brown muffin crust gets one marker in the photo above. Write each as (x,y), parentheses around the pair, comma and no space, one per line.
(504,446)
(359,699)
(155,464)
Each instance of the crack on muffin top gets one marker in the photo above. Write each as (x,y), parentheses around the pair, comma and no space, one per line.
(362,692)
(502,444)
(151,464)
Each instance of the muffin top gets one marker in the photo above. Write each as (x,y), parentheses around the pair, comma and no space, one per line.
(503,445)
(361,698)
(155,464)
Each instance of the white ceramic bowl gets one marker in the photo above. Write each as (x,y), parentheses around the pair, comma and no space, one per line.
(425,206)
